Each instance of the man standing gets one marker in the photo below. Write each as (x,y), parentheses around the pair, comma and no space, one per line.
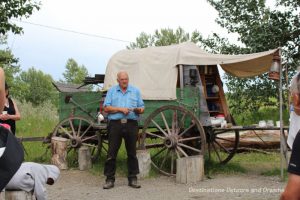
(123,103)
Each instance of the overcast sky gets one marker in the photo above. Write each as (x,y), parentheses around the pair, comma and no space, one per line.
(49,49)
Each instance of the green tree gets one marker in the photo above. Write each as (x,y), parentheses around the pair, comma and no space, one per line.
(10,9)
(74,73)
(259,28)
(34,86)
(9,63)
(163,37)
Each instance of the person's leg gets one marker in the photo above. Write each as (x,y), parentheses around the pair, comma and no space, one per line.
(114,143)
(130,137)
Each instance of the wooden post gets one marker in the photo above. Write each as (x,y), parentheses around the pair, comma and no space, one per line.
(190,169)
(59,152)
(84,158)
(18,195)
(144,160)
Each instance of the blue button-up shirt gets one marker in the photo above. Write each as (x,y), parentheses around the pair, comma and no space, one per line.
(130,99)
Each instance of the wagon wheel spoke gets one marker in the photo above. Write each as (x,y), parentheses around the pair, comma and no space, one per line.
(175,128)
(220,145)
(66,132)
(158,126)
(86,130)
(209,149)
(182,151)
(172,162)
(165,122)
(88,138)
(154,135)
(72,127)
(164,160)
(69,148)
(105,149)
(162,150)
(189,147)
(189,139)
(79,128)
(147,146)
(186,130)
(93,150)
(218,155)
(177,153)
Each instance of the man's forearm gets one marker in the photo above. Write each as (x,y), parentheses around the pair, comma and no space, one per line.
(111,109)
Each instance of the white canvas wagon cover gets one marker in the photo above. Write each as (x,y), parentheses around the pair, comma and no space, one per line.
(154,69)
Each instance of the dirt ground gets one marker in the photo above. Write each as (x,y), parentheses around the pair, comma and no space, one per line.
(78,185)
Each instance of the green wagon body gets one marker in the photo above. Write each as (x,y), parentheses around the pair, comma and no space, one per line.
(90,102)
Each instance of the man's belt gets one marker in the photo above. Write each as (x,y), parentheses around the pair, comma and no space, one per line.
(123,121)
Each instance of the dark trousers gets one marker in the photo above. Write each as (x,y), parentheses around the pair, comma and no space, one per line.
(117,131)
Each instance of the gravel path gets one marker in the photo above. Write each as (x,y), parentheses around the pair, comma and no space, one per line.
(78,185)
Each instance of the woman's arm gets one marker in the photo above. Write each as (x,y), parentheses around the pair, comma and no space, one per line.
(16,116)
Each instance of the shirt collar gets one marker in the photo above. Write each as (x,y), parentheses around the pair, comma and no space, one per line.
(129,89)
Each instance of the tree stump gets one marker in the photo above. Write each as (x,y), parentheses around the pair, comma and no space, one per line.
(2,195)
(59,152)
(84,158)
(190,169)
(144,160)
(18,195)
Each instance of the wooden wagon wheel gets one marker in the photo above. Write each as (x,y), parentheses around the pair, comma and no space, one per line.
(172,132)
(222,144)
(80,131)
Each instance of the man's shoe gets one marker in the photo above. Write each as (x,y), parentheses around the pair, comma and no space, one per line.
(134,184)
(108,185)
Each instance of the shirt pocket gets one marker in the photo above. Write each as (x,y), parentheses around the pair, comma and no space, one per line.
(133,101)
(115,101)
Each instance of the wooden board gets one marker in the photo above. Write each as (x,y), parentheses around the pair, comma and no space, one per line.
(190,169)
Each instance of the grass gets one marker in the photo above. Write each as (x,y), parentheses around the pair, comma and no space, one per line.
(41,120)
(36,122)
(251,163)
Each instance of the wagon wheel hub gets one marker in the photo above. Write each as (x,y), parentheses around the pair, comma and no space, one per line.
(171,141)
(76,142)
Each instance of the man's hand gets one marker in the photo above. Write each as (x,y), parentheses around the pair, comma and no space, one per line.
(125,111)
(138,110)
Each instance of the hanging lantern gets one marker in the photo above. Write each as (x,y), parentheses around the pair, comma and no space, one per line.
(274,72)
